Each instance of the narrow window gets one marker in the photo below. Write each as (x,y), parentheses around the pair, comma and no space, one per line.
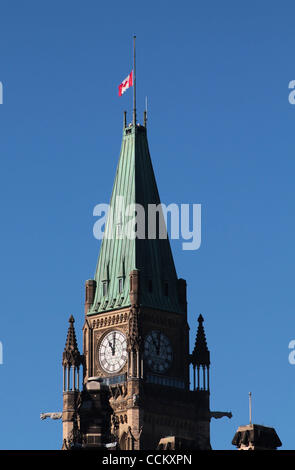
(150,285)
(120,285)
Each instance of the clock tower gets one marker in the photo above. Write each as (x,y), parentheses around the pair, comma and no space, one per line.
(137,366)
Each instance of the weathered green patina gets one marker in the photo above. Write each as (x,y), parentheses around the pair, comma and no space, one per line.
(135,182)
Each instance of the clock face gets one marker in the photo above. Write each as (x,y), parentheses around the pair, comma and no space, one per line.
(113,351)
(157,352)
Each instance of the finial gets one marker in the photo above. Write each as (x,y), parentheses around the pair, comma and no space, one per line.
(250,408)
(71,319)
(200,319)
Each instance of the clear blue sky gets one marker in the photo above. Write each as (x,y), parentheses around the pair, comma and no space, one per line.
(221,133)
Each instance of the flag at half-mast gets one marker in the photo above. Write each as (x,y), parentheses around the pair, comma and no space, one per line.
(128,82)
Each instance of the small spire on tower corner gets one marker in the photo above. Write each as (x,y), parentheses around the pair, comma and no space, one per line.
(71,354)
(201,354)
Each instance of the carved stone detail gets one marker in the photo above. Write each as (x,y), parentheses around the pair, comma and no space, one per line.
(115,319)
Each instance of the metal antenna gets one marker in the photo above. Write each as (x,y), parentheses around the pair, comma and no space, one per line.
(134,83)
(145,113)
(250,408)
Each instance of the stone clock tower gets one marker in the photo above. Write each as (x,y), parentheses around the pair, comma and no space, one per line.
(136,362)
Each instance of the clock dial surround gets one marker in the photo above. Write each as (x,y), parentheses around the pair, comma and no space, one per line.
(158,352)
(112,352)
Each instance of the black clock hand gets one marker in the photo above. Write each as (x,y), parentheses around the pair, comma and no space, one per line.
(159,343)
(155,344)
(114,342)
(153,341)
(111,346)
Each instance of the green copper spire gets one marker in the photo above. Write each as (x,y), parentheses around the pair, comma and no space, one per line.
(134,184)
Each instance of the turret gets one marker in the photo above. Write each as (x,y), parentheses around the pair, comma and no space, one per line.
(181,285)
(134,287)
(256,437)
(200,359)
(71,361)
(90,288)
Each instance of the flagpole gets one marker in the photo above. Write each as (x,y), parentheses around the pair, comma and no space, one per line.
(134,83)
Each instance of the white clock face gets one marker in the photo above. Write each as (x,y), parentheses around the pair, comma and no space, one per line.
(113,351)
(157,352)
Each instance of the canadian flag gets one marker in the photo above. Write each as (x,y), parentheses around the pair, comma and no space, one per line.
(126,83)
